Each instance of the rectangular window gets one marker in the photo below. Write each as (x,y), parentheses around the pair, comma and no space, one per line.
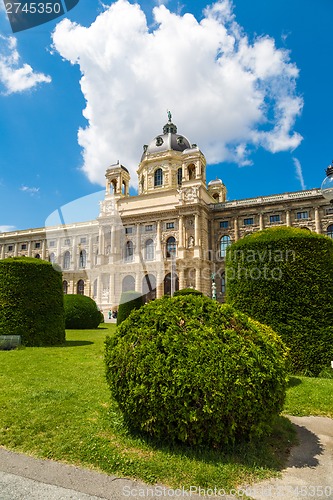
(10,248)
(23,246)
(128,230)
(248,221)
(83,241)
(170,225)
(274,218)
(224,224)
(302,215)
(52,243)
(149,227)
(37,244)
(67,241)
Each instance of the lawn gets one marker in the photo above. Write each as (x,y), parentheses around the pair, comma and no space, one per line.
(54,403)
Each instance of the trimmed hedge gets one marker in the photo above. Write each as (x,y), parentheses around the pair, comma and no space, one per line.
(187,291)
(31,301)
(81,312)
(284,277)
(128,301)
(191,370)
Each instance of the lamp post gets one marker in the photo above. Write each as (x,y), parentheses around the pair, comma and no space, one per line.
(327,184)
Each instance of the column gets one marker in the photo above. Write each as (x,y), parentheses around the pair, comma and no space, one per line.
(181,279)
(197,279)
(15,249)
(181,231)
(99,290)
(159,285)
(58,256)
(261,221)
(3,251)
(317,220)
(196,231)
(111,293)
(90,257)
(138,287)
(236,233)
(101,249)
(29,248)
(138,243)
(288,220)
(74,256)
(44,249)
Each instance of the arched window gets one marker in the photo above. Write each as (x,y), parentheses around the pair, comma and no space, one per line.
(149,250)
(65,287)
(329,231)
(170,247)
(128,284)
(224,243)
(158,177)
(123,188)
(37,256)
(95,288)
(191,171)
(67,260)
(82,259)
(179,176)
(52,258)
(223,283)
(168,285)
(149,287)
(80,287)
(129,251)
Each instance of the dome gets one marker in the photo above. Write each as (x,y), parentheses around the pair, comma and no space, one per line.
(216,182)
(168,140)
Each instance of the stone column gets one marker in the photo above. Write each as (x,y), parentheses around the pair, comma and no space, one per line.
(288,218)
(15,249)
(74,254)
(181,278)
(138,243)
(58,255)
(261,221)
(317,220)
(138,282)
(196,231)
(101,249)
(44,249)
(90,257)
(29,248)
(181,231)
(3,251)
(197,279)
(111,293)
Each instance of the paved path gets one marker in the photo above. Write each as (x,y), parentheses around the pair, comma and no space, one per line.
(309,474)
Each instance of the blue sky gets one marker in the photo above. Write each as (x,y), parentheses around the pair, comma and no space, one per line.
(249,82)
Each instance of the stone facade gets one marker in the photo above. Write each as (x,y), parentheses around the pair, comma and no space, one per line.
(173,234)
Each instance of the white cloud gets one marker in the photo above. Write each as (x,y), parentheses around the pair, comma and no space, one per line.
(5,229)
(15,76)
(31,190)
(299,172)
(227,95)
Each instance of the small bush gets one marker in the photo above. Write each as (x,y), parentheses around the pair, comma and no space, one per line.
(81,312)
(189,369)
(128,301)
(31,301)
(187,291)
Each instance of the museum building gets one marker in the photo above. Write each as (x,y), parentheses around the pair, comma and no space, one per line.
(173,234)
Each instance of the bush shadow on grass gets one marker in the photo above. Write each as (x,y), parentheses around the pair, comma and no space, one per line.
(294,381)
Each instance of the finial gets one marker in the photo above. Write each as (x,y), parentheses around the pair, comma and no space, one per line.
(169,116)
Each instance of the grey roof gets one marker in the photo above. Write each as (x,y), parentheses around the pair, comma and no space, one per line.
(167,141)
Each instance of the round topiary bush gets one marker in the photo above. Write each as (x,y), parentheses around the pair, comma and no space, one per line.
(283,277)
(187,291)
(189,369)
(81,312)
(128,301)
(31,301)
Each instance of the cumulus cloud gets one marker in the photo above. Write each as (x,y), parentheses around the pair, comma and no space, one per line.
(227,94)
(6,229)
(15,76)
(299,172)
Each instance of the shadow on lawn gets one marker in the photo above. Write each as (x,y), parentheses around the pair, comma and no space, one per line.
(75,343)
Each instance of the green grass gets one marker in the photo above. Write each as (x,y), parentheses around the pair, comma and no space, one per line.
(55,403)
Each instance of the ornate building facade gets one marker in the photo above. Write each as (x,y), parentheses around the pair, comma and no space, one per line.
(173,234)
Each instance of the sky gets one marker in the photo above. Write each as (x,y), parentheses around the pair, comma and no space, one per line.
(249,82)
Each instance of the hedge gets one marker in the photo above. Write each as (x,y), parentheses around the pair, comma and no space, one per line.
(128,301)
(191,370)
(284,277)
(187,291)
(81,312)
(31,301)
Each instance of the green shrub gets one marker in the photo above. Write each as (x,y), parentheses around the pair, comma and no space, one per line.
(284,277)
(189,369)
(31,301)
(128,301)
(187,291)
(81,312)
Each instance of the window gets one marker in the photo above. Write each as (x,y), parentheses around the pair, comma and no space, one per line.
(329,231)
(149,228)
(149,250)
(179,176)
(274,218)
(67,242)
(224,243)
(223,283)
(128,230)
(52,258)
(83,241)
(65,287)
(191,171)
(224,224)
(158,177)
(170,247)
(66,260)
(10,248)
(80,287)
(37,244)
(129,251)
(82,259)
(170,225)
(52,244)
(302,215)
(37,256)
(248,221)
(23,246)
